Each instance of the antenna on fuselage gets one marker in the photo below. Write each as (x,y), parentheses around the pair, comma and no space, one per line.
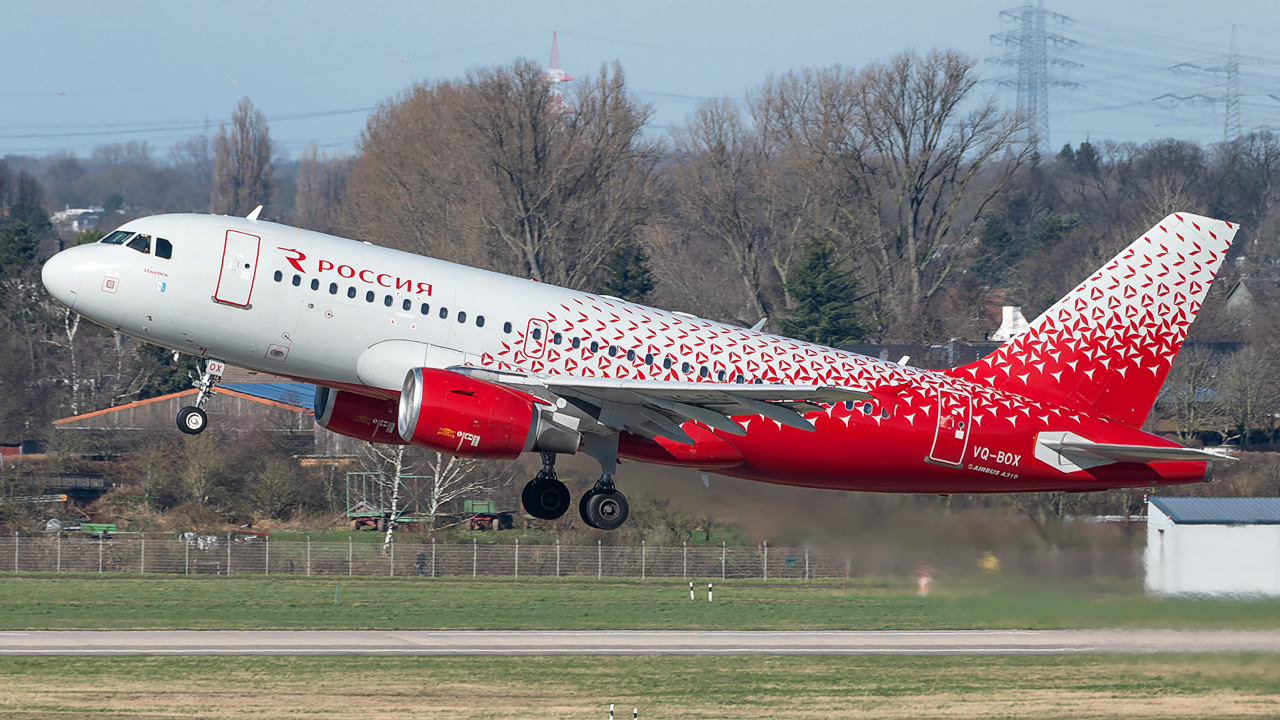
(254,215)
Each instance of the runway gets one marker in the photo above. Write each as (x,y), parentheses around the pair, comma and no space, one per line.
(498,642)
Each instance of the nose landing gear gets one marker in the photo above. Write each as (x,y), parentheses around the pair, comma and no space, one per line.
(192,419)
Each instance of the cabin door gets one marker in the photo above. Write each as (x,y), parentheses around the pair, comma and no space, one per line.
(952,436)
(239,268)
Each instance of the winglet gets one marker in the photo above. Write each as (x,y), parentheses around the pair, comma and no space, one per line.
(254,215)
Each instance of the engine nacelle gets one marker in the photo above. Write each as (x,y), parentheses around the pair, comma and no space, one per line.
(359,416)
(460,415)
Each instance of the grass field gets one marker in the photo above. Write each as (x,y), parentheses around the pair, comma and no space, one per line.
(117,602)
(1159,686)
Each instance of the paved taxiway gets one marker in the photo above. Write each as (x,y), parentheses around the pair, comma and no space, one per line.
(497,642)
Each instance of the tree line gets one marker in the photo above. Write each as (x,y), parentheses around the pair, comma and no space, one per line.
(892,202)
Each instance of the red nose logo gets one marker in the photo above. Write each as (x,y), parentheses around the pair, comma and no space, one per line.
(296,262)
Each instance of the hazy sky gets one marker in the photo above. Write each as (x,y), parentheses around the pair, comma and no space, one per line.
(77,73)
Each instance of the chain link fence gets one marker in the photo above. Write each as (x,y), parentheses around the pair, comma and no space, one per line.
(218,556)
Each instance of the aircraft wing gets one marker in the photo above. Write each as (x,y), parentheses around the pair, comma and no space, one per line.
(1132,453)
(658,408)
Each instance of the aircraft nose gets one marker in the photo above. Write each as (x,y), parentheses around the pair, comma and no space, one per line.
(61,276)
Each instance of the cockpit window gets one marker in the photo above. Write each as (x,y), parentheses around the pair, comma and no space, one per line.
(117,238)
(164,248)
(141,243)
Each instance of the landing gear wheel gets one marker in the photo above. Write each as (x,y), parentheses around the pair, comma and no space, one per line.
(545,498)
(192,420)
(604,509)
(581,509)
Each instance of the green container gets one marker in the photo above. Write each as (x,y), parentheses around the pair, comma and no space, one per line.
(479,506)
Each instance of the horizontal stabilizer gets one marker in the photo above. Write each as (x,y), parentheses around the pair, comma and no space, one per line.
(1070,452)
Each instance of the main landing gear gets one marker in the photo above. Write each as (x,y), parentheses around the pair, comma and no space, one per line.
(192,419)
(545,497)
(601,507)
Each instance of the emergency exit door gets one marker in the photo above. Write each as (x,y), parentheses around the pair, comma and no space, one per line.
(952,436)
(239,268)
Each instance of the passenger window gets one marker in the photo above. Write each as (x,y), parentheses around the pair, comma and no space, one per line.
(703,371)
(164,248)
(479,321)
(740,379)
(426,308)
(506,328)
(556,338)
(576,343)
(368,296)
(631,354)
(613,351)
(462,317)
(351,292)
(315,284)
(116,238)
(537,333)
(141,243)
(297,280)
(406,304)
(648,359)
(444,313)
(594,346)
(333,288)
(279,276)
(686,368)
(720,376)
(666,363)
(387,300)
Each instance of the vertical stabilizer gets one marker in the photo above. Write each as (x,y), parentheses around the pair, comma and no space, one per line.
(1108,345)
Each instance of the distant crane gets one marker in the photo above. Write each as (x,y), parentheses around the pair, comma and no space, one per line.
(556,76)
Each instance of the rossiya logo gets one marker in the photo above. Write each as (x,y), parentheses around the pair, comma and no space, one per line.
(348,272)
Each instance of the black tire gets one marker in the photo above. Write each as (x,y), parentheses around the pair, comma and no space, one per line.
(546,499)
(607,510)
(582,508)
(192,420)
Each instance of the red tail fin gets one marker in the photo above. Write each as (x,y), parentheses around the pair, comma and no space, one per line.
(1108,344)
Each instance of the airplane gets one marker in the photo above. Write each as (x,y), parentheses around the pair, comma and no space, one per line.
(405,349)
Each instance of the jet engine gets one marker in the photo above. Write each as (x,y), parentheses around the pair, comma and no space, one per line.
(460,415)
(359,416)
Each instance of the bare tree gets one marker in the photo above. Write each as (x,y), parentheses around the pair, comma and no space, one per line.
(241,162)
(489,171)
(321,183)
(1188,397)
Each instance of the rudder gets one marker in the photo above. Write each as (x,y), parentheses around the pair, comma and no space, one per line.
(1108,345)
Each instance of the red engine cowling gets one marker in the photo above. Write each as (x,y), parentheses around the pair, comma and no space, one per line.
(358,416)
(460,415)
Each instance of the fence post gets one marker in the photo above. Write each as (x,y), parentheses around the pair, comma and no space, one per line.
(475,551)
(142,566)
(350,557)
(100,544)
(766,561)
(722,553)
(643,559)
(517,571)
(557,557)
(59,565)
(308,556)
(806,564)
(684,572)
(433,556)
(599,561)
(266,556)
(186,557)
(15,551)
(228,554)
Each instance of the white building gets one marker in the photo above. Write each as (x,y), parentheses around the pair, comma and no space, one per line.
(1213,546)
